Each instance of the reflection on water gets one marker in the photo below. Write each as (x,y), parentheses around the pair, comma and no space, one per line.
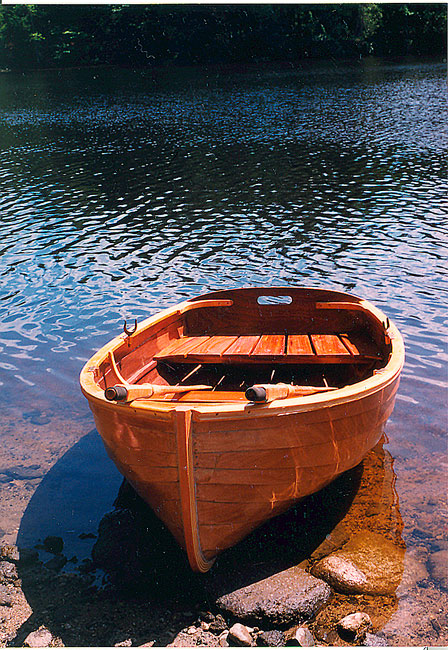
(123,192)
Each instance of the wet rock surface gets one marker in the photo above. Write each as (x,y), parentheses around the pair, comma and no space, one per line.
(368,564)
(284,598)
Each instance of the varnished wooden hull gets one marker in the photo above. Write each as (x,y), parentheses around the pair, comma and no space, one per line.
(214,471)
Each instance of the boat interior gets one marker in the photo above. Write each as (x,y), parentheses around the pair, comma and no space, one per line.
(230,341)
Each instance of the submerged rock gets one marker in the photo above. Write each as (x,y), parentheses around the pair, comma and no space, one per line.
(367,564)
(286,597)
(354,627)
(53,544)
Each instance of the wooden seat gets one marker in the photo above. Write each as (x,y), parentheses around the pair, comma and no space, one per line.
(293,348)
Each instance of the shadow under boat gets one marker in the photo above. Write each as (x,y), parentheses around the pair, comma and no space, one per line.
(142,560)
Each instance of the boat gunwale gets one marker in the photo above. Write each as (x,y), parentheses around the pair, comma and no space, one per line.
(210,410)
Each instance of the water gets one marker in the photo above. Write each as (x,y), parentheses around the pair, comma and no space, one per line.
(123,192)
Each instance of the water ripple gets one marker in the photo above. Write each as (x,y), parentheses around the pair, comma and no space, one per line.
(122,196)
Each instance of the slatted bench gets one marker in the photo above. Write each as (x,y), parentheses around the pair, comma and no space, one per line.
(292,348)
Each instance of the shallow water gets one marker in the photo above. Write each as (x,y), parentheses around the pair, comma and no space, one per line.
(123,192)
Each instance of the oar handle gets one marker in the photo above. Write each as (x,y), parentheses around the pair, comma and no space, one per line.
(260,393)
(129,392)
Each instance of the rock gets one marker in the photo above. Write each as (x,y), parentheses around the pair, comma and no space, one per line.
(217,625)
(354,626)
(367,564)
(56,563)
(53,544)
(8,572)
(302,637)
(41,638)
(271,639)
(287,597)
(222,640)
(438,567)
(6,598)
(239,635)
(9,552)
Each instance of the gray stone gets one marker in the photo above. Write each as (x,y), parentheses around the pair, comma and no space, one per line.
(6,598)
(302,637)
(271,639)
(367,564)
(354,627)
(438,567)
(287,597)
(239,635)
(40,638)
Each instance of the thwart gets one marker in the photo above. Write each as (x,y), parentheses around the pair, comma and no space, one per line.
(228,408)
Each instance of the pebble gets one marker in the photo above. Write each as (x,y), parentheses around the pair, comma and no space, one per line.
(40,638)
(222,639)
(302,637)
(239,635)
(271,639)
(286,597)
(354,627)
(367,564)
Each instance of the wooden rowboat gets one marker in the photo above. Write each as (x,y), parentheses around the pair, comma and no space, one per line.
(228,408)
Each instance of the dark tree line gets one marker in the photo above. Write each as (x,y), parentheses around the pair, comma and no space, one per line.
(37,36)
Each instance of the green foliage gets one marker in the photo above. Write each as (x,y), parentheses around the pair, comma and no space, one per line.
(77,35)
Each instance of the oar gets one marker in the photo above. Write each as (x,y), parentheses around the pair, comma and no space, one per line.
(124,392)
(269,392)
(129,392)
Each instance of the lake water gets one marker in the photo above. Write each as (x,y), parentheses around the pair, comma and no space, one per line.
(123,192)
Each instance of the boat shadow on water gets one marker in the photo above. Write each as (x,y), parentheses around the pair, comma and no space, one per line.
(134,557)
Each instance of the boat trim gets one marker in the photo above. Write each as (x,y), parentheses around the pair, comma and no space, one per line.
(183,420)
